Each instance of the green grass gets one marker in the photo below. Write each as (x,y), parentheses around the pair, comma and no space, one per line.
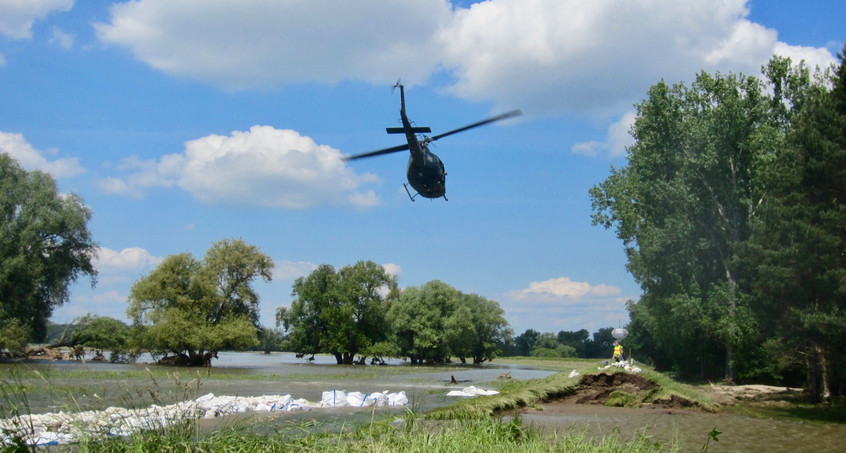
(406,435)
(513,395)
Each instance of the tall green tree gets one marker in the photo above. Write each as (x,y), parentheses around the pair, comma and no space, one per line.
(476,329)
(419,319)
(797,257)
(341,313)
(683,206)
(45,246)
(194,308)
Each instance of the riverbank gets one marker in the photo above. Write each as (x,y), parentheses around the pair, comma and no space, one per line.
(540,396)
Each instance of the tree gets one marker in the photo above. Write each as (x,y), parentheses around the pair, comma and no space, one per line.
(525,342)
(341,313)
(196,308)
(45,246)
(270,340)
(797,257)
(13,337)
(435,322)
(575,339)
(683,207)
(476,329)
(419,320)
(101,333)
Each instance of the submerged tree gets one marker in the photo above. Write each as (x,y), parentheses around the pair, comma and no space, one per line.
(101,333)
(341,313)
(194,308)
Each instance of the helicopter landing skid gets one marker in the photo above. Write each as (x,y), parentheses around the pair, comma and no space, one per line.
(409,192)
(412,197)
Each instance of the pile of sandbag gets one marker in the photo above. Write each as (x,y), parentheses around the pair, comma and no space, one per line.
(624,365)
(65,427)
(472,391)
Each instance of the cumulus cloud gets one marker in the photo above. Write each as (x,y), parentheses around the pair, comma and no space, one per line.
(286,270)
(17,17)
(393,269)
(61,39)
(565,304)
(545,56)
(16,146)
(565,56)
(617,139)
(264,166)
(266,42)
(128,259)
(563,289)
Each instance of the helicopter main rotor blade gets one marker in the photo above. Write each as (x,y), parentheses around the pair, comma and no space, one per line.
(393,149)
(510,114)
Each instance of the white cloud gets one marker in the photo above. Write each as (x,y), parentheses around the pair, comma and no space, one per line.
(563,289)
(267,42)
(393,269)
(617,139)
(132,259)
(291,270)
(261,167)
(17,17)
(564,304)
(30,158)
(544,56)
(813,57)
(61,39)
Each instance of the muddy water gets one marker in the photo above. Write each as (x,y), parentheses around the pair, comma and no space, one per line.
(689,429)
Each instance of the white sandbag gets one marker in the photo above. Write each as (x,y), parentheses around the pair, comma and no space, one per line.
(358,399)
(472,391)
(397,399)
(335,398)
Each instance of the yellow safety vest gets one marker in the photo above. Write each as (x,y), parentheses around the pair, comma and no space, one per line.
(618,350)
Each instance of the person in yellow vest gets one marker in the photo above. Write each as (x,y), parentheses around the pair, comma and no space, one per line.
(618,351)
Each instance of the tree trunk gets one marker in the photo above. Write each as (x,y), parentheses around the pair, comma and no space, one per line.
(826,390)
(813,378)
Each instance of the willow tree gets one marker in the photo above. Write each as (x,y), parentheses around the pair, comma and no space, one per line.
(340,313)
(195,308)
(45,246)
(683,206)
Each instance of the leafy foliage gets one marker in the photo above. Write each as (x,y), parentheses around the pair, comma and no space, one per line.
(195,308)
(101,333)
(731,212)
(341,313)
(45,246)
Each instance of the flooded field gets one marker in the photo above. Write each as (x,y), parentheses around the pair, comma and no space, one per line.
(44,386)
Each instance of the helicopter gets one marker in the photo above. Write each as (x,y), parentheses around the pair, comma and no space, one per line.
(426,173)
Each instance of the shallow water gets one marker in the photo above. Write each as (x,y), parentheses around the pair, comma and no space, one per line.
(689,429)
(254,374)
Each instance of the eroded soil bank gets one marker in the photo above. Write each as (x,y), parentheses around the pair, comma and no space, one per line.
(675,420)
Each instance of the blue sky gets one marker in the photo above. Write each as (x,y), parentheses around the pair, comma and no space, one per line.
(184,123)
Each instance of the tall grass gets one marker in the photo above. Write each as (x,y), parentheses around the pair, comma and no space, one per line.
(487,435)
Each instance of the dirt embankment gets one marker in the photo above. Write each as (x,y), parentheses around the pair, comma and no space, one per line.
(623,389)
(634,390)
